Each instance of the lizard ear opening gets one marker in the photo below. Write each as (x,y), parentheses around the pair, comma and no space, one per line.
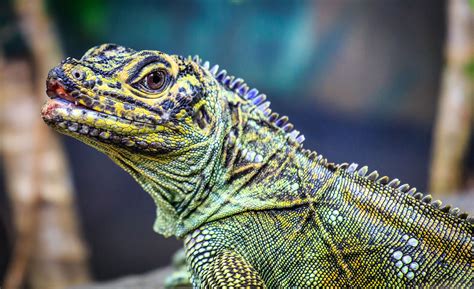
(201,118)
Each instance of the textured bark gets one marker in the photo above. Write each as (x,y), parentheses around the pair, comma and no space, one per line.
(17,150)
(49,251)
(453,124)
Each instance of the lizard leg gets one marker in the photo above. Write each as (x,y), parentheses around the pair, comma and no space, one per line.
(229,269)
(180,277)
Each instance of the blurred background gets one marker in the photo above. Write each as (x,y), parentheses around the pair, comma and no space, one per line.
(388,84)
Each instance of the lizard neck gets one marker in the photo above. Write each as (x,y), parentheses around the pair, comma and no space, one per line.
(261,169)
(248,164)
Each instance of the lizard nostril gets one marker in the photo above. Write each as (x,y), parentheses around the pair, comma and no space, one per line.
(78,74)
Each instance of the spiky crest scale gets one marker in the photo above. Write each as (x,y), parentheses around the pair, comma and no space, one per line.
(239,86)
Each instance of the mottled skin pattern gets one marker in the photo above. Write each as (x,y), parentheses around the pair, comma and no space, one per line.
(231,178)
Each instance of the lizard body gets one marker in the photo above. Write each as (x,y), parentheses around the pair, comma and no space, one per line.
(232,179)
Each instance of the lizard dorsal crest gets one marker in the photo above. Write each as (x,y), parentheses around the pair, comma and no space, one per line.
(238,85)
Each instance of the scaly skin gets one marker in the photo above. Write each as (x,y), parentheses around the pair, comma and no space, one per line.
(232,179)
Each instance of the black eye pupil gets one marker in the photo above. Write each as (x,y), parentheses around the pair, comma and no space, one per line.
(154,81)
(156,78)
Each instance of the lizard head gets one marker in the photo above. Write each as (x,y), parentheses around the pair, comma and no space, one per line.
(118,99)
(155,115)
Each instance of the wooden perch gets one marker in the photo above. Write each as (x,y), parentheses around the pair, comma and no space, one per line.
(48,251)
(453,124)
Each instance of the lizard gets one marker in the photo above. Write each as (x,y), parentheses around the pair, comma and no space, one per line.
(231,178)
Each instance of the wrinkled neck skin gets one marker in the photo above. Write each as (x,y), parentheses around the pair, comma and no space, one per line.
(247,164)
(263,169)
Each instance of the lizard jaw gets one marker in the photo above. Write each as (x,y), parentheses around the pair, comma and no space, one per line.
(64,113)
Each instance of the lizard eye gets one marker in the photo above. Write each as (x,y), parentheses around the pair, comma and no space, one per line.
(154,81)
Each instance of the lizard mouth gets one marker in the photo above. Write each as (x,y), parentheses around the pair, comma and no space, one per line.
(55,89)
(70,114)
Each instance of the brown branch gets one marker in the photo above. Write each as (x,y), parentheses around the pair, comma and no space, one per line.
(453,124)
(17,149)
(48,251)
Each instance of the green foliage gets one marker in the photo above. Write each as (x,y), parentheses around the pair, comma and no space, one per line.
(470,64)
(93,15)
(89,15)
